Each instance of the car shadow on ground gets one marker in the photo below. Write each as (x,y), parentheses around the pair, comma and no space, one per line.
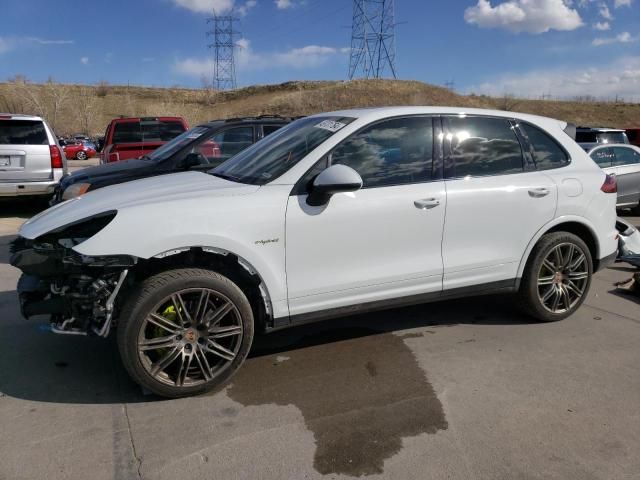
(38,365)
(23,207)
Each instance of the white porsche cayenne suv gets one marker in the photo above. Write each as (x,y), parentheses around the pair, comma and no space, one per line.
(336,213)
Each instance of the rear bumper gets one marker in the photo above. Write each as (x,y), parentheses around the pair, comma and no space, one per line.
(606,261)
(16,189)
(42,187)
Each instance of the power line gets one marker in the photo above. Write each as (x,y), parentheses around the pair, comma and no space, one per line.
(224,68)
(373,50)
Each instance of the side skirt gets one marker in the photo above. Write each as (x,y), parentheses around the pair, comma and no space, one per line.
(502,286)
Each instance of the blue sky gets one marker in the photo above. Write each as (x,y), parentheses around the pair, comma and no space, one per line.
(525,47)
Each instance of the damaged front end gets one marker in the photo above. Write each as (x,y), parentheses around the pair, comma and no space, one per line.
(77,291)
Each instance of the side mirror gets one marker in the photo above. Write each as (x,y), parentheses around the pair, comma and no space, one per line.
(193,159)
(335,179)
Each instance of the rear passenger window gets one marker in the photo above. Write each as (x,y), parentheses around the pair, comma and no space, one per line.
(603,157)
(625,156)
(482,146)
(546,151)
(22,132)
(269,129)
(393,152)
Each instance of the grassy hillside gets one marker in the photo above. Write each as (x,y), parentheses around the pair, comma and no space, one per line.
(76,108)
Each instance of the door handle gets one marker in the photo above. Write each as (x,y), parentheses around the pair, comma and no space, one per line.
(426,203)
(539,192)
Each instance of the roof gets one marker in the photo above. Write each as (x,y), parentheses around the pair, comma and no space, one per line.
(599,129)
(372,114)
(257,119)
(20,116)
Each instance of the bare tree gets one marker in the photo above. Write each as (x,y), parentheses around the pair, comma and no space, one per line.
(87,108)
(27,96)
(57,95)
(508,102)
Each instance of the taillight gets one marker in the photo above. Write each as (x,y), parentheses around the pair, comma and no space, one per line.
(610,184)
(56,156)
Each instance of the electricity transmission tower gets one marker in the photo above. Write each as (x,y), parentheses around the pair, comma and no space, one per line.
(373,46)
(224,69)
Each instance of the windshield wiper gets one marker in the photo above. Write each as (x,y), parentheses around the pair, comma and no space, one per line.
(225,176)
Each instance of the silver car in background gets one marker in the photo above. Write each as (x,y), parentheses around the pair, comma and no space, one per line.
(31,160)
(623,161)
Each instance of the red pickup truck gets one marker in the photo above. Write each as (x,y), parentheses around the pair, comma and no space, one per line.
(134,137)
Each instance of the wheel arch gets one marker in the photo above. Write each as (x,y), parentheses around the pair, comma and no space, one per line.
(579,226)
(227,263)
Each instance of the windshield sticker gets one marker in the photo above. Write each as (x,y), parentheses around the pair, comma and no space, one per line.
(330,125)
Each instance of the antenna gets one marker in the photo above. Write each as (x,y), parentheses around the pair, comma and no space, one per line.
(373,45)
(224,69)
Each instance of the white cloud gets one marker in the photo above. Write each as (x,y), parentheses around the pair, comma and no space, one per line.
(244,8)
(605,12)
(624,37)
(621,3)
(84,60)
(5,45)
(11,43)
(602,26)
(46,41)
(310,56)
(206,6)
(531,16)
(620,77)
(284,4)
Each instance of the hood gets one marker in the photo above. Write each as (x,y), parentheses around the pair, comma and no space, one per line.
(155,190)
(90,174)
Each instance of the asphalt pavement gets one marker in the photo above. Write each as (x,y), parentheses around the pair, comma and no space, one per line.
(465,389)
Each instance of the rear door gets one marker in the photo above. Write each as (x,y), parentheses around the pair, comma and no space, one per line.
(494,205)
(24,151)
(626,161)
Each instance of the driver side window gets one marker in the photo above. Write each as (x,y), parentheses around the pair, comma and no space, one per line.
(398,151)
(224,145)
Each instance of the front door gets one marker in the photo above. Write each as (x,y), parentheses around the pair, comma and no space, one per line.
(379,243)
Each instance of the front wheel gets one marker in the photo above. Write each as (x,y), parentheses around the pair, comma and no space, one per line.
(184,332)
(81,155)
(557,277)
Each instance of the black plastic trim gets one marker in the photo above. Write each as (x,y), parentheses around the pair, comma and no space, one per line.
(502,286)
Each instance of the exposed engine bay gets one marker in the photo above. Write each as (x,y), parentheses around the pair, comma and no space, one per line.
(77,291)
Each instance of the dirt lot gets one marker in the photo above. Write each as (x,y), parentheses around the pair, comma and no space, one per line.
(457,390)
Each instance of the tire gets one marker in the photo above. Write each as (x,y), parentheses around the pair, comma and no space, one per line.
(542,285)
(81,155)
(164,318)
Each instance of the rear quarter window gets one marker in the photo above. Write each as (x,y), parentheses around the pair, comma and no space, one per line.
(22,132)
(546,152)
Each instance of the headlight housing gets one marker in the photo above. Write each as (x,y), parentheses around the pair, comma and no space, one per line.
(75,233)
(75,190)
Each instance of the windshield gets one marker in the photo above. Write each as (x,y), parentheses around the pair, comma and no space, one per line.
(168,149)
(276,154)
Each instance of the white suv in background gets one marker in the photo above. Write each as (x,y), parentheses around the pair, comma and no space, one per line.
(31,160)
(334,214)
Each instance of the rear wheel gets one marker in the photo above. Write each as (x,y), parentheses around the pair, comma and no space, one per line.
(81,155)
(557,277)
(184,332)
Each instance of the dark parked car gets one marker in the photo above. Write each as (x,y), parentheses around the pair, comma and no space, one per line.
(634,136)
(589,137)
(201,148)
